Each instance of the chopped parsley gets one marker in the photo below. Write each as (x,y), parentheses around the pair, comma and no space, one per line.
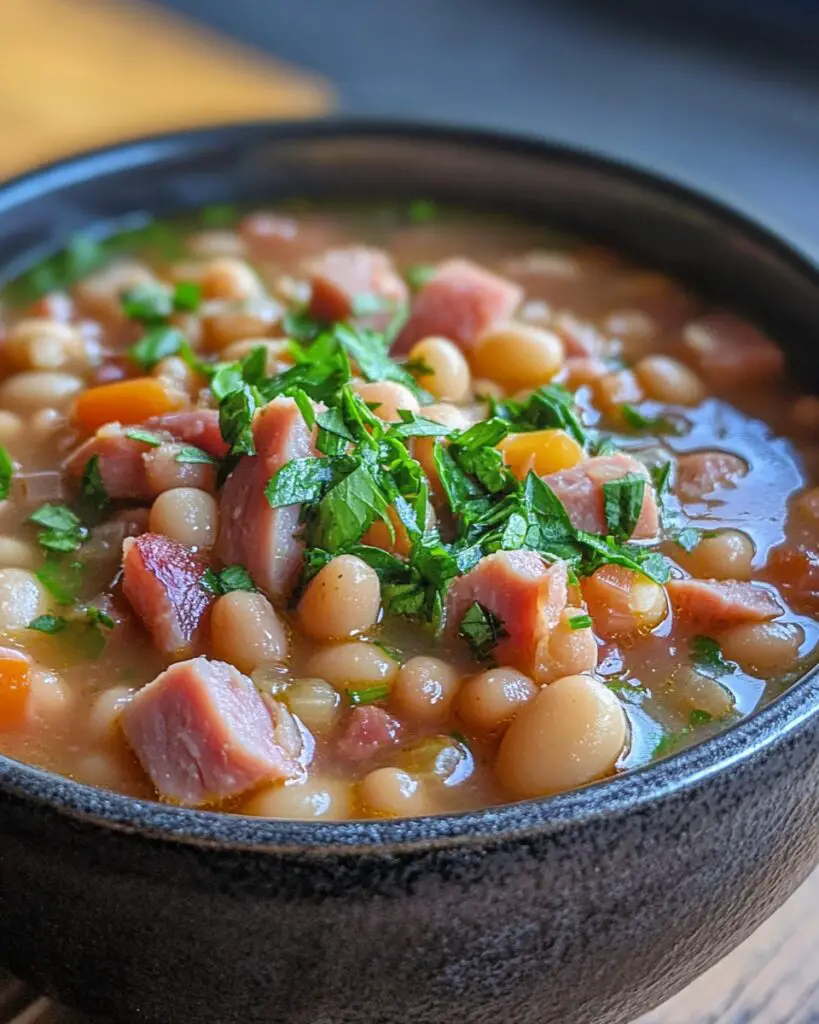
(189,453)
(623,503)
(706,655)
(62,578)
(156,344)
(60,528)
(232,577)
(83,633)
(368,695)
(633,418)
(154,303)
(92,486)
(145,436)
(482,630)
(580,622)
(419,274)
(6,473)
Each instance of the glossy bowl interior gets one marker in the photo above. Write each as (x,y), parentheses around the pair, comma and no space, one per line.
(662,225)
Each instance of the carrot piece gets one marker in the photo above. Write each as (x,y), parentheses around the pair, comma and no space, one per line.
(15,685)
(125,401)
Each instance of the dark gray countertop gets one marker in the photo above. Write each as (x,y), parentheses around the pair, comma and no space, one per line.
(728,105)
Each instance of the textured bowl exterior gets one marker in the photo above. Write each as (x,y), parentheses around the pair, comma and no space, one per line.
(588,908)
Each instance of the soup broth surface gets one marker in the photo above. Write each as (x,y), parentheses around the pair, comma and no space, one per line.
(387,511)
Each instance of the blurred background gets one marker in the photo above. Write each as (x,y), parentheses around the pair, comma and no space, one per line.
(721,93)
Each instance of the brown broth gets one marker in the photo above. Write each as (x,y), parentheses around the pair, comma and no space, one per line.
(66,729)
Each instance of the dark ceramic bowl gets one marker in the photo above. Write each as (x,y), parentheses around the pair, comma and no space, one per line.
(587,907)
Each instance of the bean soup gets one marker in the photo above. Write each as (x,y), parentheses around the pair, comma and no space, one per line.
(377,512)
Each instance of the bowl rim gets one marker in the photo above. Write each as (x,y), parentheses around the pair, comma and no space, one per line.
(749,741)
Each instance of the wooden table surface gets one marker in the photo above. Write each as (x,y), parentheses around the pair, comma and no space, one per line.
(79,73)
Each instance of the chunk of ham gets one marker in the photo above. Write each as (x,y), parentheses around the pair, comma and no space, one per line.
(718,603)
(730,352)
(461,301)
(581,491)
(261,538)
(367,731)
(525,593)
(701,474)
(339,277)
(199,427)
(162,579)
(122,459)
(204,734)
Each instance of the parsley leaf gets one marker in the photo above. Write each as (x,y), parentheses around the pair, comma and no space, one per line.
(187,296)
(61,529)
(369,353)
(92,486)
(482,630)
(299,481)
(148,303)
(550,406)
(236,411)
(623,503)
(155,345)
(580,622)
(422,211)
(232,577)
(348,510)
(419,274)
(49,624)
(62,579)
(706,654)
(189,453)
(687,538)
(6,473)
(145,436)
(699,717)
(633,418)
(368,695)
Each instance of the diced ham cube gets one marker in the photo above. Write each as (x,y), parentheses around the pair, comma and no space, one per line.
(461,301)
(525,593)
(199,427)
(795,568)
(579,337)
(121,463)
(203,734)
(284,240)
(701,474)
(367,731)
(122,459)
(163,581)
(261,538)
(730,352)
(718,603)
(581,491)
(342,277)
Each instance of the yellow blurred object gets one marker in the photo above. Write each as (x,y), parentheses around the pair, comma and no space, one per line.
(82,73)
(544,451)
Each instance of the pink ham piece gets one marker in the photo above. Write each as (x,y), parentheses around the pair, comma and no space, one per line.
(162,579)
(701,474)
(718,603)
(730,352)
(525,593)
(122,458)
(461,301)
(203,734)
(261,538)
(199,427)
(367,731)
(339,277)
(581,491)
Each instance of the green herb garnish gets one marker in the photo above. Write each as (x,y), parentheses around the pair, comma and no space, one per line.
(189,453)
(633,418)
(6,473)
(580,622)
(623,504)
(368,695)
(706,654)
(60,529)
(233,577)
(145,436)
(482,630)
(422,211)
(92,486)
(156,344)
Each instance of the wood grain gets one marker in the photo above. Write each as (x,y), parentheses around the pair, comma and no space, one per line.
(78,73)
